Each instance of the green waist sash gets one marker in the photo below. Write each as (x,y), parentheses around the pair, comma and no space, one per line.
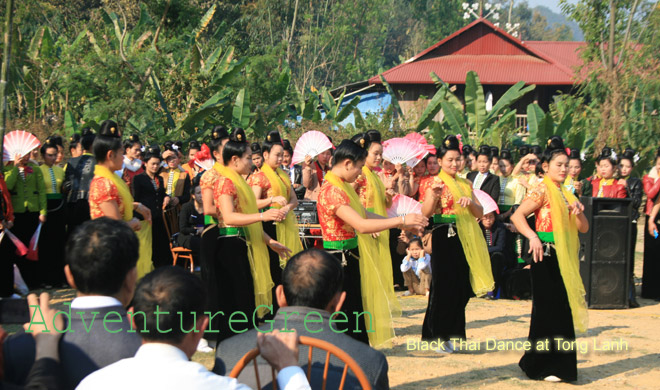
(444,218)
(546,236)
(351,243)
(209,220)
(231,231)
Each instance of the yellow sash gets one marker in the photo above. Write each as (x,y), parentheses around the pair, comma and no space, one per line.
(566,245)
(472,239)
(376,197)
(378,297)
(601,186)
(287,230)
(122,189)
(257,250)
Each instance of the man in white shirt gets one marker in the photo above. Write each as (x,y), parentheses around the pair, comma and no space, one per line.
(165,313)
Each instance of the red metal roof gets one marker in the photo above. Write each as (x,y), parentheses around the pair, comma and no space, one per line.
(496,56)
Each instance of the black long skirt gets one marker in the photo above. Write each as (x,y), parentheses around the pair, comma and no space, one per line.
(235,287)
(651,270)
(551,321)
(356,325)
(51,244)
(77,214)
(450,288)
(397,275)
(208,263)
(275,269)
(161,255)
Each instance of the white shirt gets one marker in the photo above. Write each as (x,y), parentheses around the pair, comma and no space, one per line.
(163,366)
(479,180)
(94,302)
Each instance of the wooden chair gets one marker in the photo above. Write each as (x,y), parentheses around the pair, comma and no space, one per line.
(171,220)
(312,343)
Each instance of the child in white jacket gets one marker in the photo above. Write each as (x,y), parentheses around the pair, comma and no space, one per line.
(416,269)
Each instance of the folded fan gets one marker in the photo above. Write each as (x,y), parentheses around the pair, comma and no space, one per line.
(33,249)
(403,205)
(311,144)
(21,249)
(203,158)
(486,201)
(401,150)
(18,142)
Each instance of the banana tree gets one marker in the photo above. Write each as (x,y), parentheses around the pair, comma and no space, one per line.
(472,120)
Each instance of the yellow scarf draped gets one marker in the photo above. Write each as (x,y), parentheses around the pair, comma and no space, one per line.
(257,250)
(472,239)
(567,246)
(287,230)
(376,196)
(122,189)
(378,297)
(601,186)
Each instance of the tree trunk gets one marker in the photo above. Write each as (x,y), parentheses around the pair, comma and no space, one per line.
(4,76)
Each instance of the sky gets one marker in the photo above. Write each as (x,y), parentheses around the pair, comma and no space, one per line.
(552,4)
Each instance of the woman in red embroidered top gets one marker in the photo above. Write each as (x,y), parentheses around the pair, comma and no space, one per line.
(558,308)
(244,279)
(272,188)
(605,185)
(416,174)
(651,273)
(460,253)
(346,228)
(432,169)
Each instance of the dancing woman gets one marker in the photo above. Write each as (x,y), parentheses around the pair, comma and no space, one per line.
(346,228)
(244,277)
(109,196)
(272,188)
(558,306)
(461,268)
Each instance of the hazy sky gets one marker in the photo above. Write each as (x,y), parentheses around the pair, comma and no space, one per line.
(552,4)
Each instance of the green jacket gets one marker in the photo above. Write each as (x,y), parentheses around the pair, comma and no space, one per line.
(28,195)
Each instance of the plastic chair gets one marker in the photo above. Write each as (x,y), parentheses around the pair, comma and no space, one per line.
(312,343)
(171,220)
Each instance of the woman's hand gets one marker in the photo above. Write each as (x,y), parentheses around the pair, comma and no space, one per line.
(166,202)
(144,212)
(465,201)
(276,215)
(134,224)
(280,249)
(280,200)
(536,249)
(415,223)
(174,201)
(576,208)
(653,229)
(42,218)
(437,187)
(308,161)
(403,237)
(375,235)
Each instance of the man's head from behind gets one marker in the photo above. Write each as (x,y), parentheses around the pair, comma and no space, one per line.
(101,256)
(168,304)
(312,278)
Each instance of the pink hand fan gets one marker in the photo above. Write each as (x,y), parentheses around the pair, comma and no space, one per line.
(312,143)
(21,249)
(420,140)
(486,201)
(401,150)
(403,205)
(33,249)
(18,142)
(203,158)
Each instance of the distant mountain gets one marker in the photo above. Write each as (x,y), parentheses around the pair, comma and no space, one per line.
(553,17)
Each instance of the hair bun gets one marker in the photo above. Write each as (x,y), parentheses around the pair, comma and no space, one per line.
(256,147)
(628,154)
(109,128)
(555,142)
(467,149)
(286,144)
(134,138)
(74,138)
(495,151)
(505,154)
(274,137)
(523,150)
(451,143)
(153,149)
(537,150)
(575,154)
(606,152)
(485,150)
(219,132)
(194,145)
(238,135)
(373,136)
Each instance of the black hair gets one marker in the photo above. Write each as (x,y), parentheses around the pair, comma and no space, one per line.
(537,150)
(237,145)
(505,154)
(555,148)
(108,139)
(100,253)
(628,154)
(131,141)
(87,138)
(312,278)
(607,154)
(364,140)
(50,143)
(195,183)
(484,150)
(218,134)
(256,148)
(467,150)
(494,152)
(151,152)
(523,151)
(273,138)
(431,155)
(169,145)
(416,240)
(178,298)
(348,150)
(74,140)
(449,143)
(194,145)
(286,144)
(179,147)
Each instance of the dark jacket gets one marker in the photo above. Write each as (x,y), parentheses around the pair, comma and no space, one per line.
(635,192)
(490,185)
(498,237)
(372,362)
(81,351)
(297,179)
(145,193)
(77,177)
(189,219)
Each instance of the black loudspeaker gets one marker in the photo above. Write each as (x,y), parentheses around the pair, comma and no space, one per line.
(605,252)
